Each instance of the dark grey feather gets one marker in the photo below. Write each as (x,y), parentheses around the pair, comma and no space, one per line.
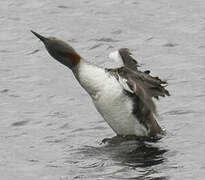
(143,88)
(127,59)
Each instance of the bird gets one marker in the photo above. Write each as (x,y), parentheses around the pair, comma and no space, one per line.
(124,96)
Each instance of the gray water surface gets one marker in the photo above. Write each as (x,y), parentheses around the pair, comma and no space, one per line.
(49,128)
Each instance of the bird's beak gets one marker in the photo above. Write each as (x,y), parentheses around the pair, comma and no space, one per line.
(42,38)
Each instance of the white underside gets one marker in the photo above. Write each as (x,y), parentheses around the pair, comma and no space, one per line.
(110,101)
(116,108)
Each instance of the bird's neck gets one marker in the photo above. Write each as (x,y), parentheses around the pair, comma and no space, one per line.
(75,57)
(89,76)
(70,60)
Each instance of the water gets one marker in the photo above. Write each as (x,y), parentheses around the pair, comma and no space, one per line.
(49,128)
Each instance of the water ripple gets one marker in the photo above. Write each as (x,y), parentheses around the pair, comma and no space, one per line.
(34,52)
(4,91)
(20,123)
(180,112)
(131,154)
(106,40)
(96,46)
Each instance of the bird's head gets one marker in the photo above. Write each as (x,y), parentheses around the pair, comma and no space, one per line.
(60,50)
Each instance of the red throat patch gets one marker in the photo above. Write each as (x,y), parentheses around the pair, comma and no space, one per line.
(75,58)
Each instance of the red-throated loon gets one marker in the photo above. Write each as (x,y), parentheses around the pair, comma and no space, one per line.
(123,96)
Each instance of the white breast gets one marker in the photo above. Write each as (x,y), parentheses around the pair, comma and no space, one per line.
(116,108)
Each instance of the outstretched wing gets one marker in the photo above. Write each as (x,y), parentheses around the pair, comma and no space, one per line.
(130,76)
(142,88)
(128,59)
(123,57)
(141,84)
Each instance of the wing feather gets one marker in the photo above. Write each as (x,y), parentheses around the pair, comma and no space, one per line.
(128,59)
(142,88)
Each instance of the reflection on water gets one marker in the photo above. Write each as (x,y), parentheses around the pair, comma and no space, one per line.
(142,157)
